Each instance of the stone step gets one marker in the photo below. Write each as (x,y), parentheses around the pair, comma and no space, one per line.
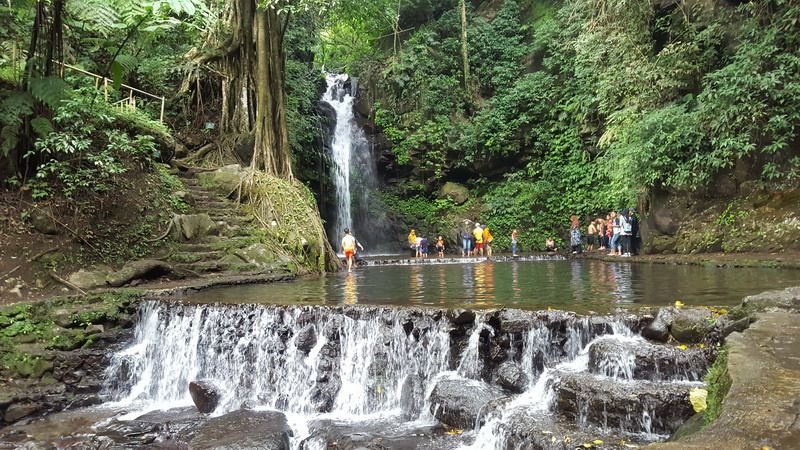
(216,204)
(642,360)
(630,406)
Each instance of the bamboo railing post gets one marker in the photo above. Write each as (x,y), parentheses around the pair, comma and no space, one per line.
(162,110)
(105,88)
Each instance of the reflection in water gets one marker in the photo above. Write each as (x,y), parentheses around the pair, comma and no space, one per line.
(484,284)
(622,278)
(350,290)
(516,292)
(574,285)
(440,272)
(416,284)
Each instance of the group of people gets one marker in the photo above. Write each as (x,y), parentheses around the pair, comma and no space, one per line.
(618,232)
(420,245)
(478,242)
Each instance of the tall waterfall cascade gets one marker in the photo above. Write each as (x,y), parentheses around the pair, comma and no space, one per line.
(368,365)
(353,169)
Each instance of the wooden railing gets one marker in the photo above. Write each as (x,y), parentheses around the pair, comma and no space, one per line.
(128,102)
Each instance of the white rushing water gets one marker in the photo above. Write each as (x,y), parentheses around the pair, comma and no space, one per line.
(364,365)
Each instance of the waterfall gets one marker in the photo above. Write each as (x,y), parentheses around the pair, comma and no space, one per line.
(359,364)
(353,169)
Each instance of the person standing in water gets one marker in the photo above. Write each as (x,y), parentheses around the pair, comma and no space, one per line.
(440,246)
(477,232)
(412,241)
(487,242)
(514,236)
(349,244)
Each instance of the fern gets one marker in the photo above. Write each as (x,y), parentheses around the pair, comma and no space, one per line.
(122,65)
(48,90)
(42,126)
(15,107)
(98,15)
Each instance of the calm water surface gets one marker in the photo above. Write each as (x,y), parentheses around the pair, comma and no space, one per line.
(579,285)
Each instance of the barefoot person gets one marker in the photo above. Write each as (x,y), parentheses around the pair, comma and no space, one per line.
(440,246)
(487,242)
(514,236)
(477,233)
(349,244)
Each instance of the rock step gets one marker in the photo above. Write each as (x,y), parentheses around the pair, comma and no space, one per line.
(630,406)
(642,360)
(216,204)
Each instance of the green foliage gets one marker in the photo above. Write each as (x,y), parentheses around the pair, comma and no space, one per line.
(84,155)
(719,383)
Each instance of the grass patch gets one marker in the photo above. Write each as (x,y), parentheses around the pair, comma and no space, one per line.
(719,383)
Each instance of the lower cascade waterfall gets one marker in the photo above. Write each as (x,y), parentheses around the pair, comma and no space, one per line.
(360,365)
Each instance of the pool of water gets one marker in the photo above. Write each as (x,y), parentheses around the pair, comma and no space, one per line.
(576,285)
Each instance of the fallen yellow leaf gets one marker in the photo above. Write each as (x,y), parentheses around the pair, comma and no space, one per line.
(597,442)
(454,431)
(682,347)
(698,396)
(702,345)
(587,445)
(678,304)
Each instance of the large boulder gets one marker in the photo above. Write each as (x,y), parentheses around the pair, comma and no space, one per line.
(88,279)
(244,429)
(787,299)
(138,270)
(457,193)
(658,329)
(529,430)
(691,325)
(205,395)
(257,254)
(189,227)
(646,361)
(511,377)
(43,222)
(607,402)
(225,179)
(458,402)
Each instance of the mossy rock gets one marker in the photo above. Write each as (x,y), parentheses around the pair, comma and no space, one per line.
(691,326)
(457,193)
(225,179)
(88,279)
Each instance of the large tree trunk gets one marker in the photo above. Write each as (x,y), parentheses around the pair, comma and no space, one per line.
(253,91)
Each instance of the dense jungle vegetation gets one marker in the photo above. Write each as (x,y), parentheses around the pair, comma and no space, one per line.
(542,109)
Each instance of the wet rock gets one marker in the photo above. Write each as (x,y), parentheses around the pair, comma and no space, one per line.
(244,429)
(691,325)
(462,317)
(609,403)
(515,321)
(458,402)
(510,376)
(646,361)
(205,395)
(658,330)
(93,329)
(138,270)
(526,430)
(728,326)
(88,279)
(788,299)
(373,435)
(412,397)
(306,338)
(17,411)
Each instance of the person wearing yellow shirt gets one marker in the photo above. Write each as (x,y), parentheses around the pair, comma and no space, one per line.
(487,242)
(412,241)
(477,232)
